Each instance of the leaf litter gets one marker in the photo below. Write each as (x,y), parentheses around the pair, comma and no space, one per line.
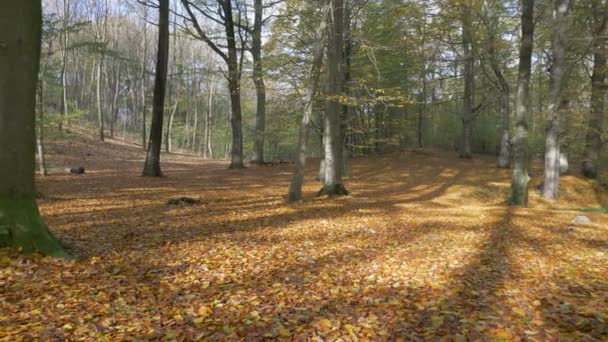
(425,248)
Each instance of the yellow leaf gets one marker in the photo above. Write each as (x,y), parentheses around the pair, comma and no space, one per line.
(204,311)
(324,324)
(35,312)
(276,285)
(284,332)
(198,320)
(68,326)
(519,311)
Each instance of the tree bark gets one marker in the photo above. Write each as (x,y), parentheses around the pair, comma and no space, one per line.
(208,151)
(64,61)
(552,131)
(144,108)
(20,223)
(260,88)
(469,84)
(332,136)
(152,164)
(520,178)
(100,116)
(234,85)
(114,109)
(295,187)
(595,125)
(234,73)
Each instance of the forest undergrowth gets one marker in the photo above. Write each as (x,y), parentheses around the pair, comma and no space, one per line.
(426,246)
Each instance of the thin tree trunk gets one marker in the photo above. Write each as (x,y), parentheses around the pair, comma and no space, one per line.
(20,223)
(422,109)
(208,152)
(260,88)
(152,164)
(194,127)
(64,62)
(100,116)
(144,108)
(520,178)
(469,84)
(552,131)
(595,126)
(295,187)
(114,109)
(40,121)
(169,138)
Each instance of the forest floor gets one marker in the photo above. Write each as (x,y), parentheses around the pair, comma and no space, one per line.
(425,247)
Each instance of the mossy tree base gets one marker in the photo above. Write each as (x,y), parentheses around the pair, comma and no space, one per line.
(22,227)
(519,189)
(333,190)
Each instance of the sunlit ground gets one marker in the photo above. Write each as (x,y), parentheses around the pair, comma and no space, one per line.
(425,247)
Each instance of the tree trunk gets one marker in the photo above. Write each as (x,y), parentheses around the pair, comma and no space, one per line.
(143,80)
(469,84)
(504,156)
(295,187)
(64,62)
(40,121)
(114,110)
(169,138)
(208,152)
(152,164)
(234,86)
(194,128)
(422,109)
(100,116)
(552,131)
(332,136)
(20,223)
(260,88)
(595,126)
(520,178)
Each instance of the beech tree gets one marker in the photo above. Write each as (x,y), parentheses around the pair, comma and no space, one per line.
(152,164)
(332,125)
(520,177)
(295,186)
(20,39)
(232,57)
(550,189)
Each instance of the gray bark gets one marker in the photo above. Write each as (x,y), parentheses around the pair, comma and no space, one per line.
(332,135)
(469,83)
(258,80)
(64,62)
(144,108)
(520,178)
(295,187)
(552,130)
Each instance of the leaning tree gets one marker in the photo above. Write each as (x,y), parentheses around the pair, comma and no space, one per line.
(20,223)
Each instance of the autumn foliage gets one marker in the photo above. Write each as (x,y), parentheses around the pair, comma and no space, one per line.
(425,247)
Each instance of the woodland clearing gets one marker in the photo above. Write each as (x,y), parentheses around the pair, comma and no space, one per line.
(426,246)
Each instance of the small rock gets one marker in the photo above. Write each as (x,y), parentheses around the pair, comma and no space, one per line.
(581,219)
